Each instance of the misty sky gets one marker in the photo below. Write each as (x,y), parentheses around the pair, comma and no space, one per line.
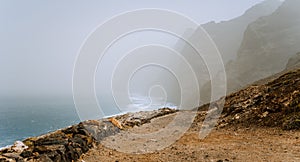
(39,40)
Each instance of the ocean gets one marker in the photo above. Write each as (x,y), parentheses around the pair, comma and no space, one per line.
(27,118)
(20,122)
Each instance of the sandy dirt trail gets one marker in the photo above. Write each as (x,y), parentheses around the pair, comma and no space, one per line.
(226,144)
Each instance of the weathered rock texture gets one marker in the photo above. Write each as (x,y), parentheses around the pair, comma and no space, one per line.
(70,143)
(130,120)
(274,104)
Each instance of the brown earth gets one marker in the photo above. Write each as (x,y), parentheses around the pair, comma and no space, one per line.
(226,144)
(258,123)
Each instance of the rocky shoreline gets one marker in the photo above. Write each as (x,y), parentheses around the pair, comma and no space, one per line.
(70,143)
(272,105)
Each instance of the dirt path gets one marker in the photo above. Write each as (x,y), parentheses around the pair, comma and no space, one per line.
(227,144)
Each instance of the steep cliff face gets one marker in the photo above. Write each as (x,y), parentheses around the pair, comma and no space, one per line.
(228,35)
(267,45)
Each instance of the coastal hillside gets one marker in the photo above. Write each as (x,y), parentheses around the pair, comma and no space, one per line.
(267,45)
(258,123)
(258,111)
(228,35)
(274,104)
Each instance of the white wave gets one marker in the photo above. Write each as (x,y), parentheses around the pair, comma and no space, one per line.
(144,103)
(5,147)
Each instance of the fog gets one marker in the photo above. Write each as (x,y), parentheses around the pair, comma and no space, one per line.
(40,41)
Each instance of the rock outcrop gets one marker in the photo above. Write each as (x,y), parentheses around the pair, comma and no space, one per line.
(71,143)
(63,145)
(274,104)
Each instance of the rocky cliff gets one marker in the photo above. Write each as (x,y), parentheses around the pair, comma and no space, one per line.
(228,35)
(268,44)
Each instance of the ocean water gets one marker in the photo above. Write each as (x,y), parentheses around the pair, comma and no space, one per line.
(29,118)
(19,122)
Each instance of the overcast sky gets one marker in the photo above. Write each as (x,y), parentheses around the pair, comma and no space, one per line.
(39,40)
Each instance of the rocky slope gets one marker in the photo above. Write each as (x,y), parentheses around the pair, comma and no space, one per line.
(272,106)
(252,127)
(275,104)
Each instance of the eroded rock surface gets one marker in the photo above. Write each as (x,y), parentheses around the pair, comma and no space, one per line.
(275,104)
(69,144)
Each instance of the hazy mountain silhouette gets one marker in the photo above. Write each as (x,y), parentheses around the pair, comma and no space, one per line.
(228,35)
(267,45)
